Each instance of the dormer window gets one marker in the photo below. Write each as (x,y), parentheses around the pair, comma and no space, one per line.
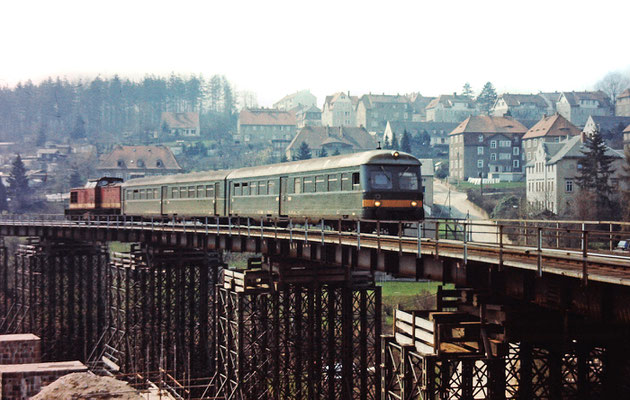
(140,163)
(120,163)
(159,164)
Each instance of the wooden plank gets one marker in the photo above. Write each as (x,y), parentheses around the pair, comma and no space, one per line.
(420,334)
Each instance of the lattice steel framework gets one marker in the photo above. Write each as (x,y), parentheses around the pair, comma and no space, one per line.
(58,295)
(298,342)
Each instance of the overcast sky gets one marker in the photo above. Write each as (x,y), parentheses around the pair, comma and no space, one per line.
(278,47)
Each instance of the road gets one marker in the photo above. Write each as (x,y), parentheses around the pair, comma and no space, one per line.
(461,207)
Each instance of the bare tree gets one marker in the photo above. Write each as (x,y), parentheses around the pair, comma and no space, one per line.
(613,84)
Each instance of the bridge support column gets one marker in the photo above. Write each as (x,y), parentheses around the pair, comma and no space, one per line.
(50,299)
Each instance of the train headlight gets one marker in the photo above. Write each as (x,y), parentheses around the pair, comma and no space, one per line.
(377,203)
(414,204)
(396,154)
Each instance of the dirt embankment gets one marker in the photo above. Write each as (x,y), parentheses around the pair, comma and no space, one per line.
(86,385)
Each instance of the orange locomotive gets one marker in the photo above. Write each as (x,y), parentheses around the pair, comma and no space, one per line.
(98,196)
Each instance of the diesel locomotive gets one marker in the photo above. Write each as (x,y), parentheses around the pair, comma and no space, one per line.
(374,185)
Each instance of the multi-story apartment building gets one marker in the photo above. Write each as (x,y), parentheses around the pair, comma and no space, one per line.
(520,106)
(418,104)
(553,128)
(622,106)
(450,108)
(578,106)
(339,110)
(611,128)
(263,125)
(374,110)
(484,145)
(552,171)
(551,99)
(303,99)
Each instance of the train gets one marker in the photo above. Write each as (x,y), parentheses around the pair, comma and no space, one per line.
(373,185)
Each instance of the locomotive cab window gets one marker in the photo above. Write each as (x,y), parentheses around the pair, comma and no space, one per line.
(381,179)
(408,180)
(74,197)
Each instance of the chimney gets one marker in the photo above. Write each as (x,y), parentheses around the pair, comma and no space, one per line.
(582,137)
(454,93)
(348,93)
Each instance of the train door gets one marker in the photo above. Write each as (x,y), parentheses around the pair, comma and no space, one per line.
(283,197)
(217,185)
(163,195)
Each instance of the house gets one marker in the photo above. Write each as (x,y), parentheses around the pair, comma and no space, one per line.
(418,104)
(551,99)
(302,99)
(437,131)
(626,138)
(339,110)
(622,106)
(520,106)
(307,115)
(129,162)
(610,127)
(427,170)
(578,106)
(552,128)
(486,146)
(181,124)
(450,108)
(262,125)
(551,173)
(374,110)
(334,139)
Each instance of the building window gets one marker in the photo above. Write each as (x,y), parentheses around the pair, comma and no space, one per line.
(493,144)
(529,156)
(479,163)
(493,156)
(480,150)
(516,151)
(505,156)
(515,164)
(480,138)
(569,186)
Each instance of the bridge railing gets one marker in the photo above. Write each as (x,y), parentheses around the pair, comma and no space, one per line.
(576,236)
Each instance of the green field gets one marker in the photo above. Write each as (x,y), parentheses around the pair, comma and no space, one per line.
(406,295)
(463,186)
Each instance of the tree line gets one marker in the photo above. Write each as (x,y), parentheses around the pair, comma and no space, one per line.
(106,108)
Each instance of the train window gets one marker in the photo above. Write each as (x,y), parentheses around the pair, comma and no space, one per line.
(183,192)
(237,189)
(320,184)
(297,185)
(346,184)
(408,180)
(200,193)
(262,187)
(356,183)
(136,194)
(379,179)
(270,187)
(309,186)
(155,194)
(143,194)
(245,186)
(253,188)
(333,183)
(74,197)
(209,191)
(191,192)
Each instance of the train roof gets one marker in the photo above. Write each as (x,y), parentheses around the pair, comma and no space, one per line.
(379,157)
(178,178)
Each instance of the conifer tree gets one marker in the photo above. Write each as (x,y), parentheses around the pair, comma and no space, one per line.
(594,176)
(336,152)
(394,145)
(486,98)
(4,205)
(405,142)
(18,185)
(323,153)
(467,90)
(75,180)
(304,152)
